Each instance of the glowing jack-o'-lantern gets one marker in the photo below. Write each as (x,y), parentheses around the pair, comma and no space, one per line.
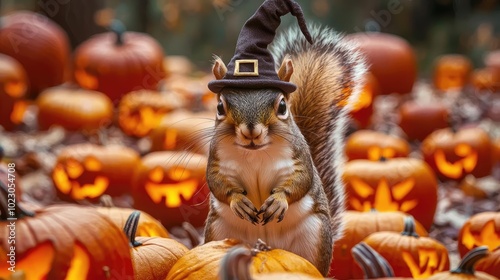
(400,184)
(452,72)
(373,145)
(418,120)
(482,229)
(13,86)
(455,154)
(141,111)
(86,171)
(171,187)
(362,110)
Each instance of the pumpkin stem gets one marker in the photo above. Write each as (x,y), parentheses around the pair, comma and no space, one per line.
(382,159)
(409,229)
(118,28)
(106,201)
(373,264)
(130,228)
(235,264)
(467,264)
(260,246)
(192,234)
(9,206)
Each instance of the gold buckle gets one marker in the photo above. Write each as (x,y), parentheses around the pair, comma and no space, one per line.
(241,61)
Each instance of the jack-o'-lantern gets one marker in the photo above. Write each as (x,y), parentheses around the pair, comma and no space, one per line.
(482,229)
(490,263)
(452,71)
(486,79)
(373,145)
(87,171)
(400,184)
(40,45)
(61,242)
(362,109)
(418,120)
(357,226)
(141,111)
(171,187)
(119,62)
(73,109)
(183,131)
(13,86)
(455,154)
(409,254)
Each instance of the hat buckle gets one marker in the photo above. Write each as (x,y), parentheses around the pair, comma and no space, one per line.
(237,71)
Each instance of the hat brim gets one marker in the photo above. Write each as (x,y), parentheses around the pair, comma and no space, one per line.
(217,85)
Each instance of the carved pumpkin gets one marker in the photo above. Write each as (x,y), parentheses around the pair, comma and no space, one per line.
(391,58)
(482,229)
(204,262)
(152,257)
(419,120)
(409,254)
(74,109)
(373,145)
(13,86)
(452,71)
(455,154)
(62,242)
(40,45)
(490,263)
(400,184)
(119,62)
(362,109)
(357,226)
(171,187)
(141,111)
(465,269)
(87,171)
(183,131)
(486,79)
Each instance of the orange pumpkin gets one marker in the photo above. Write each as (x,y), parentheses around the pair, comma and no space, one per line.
(482,229)
(119,62)
(496,151)
(13,86)
(454,154)
(40,45)
(171,187)
(490,263)
(87,171)
(452,71)
(74,109)
(373,145)
(400,184)
(362,109)
(486,79)
(419,120)
(194,90)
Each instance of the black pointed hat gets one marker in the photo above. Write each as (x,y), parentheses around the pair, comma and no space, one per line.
(252,65)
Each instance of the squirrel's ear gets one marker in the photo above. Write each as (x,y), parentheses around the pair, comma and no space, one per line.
(219,69)
(286,69)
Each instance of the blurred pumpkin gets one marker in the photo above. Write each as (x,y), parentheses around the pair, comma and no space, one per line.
(490,263)
(357,226)
(204,262)
(13,86)
(87,171)
(177,65)
(74,109)
(496,151)
(419,120)
(119,62)
(40,45)
(486,79)
(61,242)
(409,254)
(454,154)
(400,184)
(194,90)
(452,71)
(391,60)
(373,145)
(374,266)
(362,109)
(482,229)
(171,187)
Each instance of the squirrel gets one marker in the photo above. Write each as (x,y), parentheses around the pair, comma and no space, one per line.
(277,152)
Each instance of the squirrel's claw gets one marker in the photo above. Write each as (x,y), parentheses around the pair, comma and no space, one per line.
(275,205)
(243,208)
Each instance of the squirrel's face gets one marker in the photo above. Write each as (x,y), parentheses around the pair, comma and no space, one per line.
(253,119)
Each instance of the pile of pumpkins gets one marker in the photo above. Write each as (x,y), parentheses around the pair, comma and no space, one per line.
(122,79)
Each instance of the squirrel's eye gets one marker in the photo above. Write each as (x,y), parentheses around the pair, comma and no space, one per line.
(282,107)
(220,109)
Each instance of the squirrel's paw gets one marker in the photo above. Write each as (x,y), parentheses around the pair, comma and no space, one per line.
(244,208)
(275,205)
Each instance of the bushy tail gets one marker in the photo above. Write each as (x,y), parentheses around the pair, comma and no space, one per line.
(329,77)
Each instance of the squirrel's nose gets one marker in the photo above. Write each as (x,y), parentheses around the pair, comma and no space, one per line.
(251,132)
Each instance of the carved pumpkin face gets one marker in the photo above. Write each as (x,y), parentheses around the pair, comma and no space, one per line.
(401,184)
(452,72)
(482,229)
(86,171)
(362,110)
(13,86)
(372,145)
(453,155)
(419,120)
(171,187)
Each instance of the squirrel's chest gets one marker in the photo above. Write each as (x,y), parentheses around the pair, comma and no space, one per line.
(257,171)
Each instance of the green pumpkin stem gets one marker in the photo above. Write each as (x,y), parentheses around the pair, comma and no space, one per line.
(11,213)
(130,228)
(468,262)
(373,264)
(409,229)
(236,264)
(118,28)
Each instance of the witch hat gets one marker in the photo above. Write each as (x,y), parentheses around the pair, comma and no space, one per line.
(252,65)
